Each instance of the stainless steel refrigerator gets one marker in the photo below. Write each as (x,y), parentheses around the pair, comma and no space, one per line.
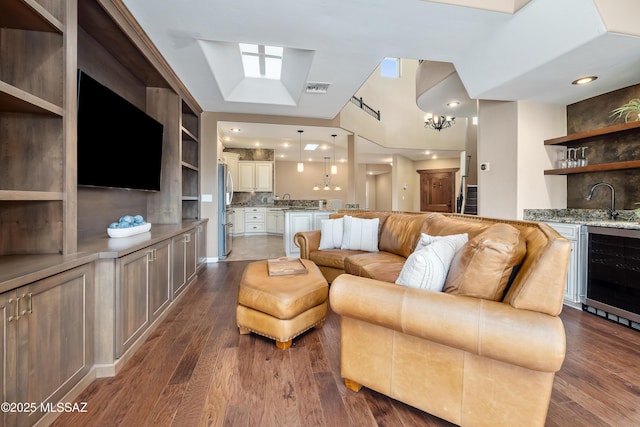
(225,213)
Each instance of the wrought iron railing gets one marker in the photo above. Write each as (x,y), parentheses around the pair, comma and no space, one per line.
(365,107)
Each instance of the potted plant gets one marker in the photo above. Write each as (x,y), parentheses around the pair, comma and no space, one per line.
(631,108)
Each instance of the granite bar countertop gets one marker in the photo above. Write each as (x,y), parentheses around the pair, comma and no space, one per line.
(627,219)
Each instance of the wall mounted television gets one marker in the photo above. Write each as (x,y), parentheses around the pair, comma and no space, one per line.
(119,145)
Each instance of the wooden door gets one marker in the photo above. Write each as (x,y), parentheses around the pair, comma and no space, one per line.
(437,190)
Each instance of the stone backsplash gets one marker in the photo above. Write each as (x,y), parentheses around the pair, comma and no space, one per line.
(594,113)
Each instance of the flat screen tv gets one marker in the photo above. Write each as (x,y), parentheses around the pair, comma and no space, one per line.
(119,145)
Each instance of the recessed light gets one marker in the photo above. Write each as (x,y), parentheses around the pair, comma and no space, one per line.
(453,104)
(235,129)
(584,80)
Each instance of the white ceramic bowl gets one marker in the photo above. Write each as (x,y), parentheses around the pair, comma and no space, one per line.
(126,232)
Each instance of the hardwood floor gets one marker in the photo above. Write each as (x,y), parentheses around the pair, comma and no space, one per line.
(196,370)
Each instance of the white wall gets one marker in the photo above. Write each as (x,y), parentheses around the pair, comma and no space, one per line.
(404,173)
(537,122)
(300,184)
(497,145)
(209,151)
(511,139)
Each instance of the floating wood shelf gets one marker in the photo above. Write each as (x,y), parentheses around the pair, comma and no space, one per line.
(15,195)
(575,137)
(603,167)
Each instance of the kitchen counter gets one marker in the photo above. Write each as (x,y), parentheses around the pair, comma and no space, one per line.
(590,217)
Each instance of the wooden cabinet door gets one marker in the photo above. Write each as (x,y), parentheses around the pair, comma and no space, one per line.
(8,353)
(55,337)
(159,278)
(132,296)
(178,279)
(280,223)
(202,244)
(437,190)
(191,257)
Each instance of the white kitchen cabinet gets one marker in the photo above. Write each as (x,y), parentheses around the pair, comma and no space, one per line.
(280,223)
(255,176)
(238,221)
(296,221)
(575,293)
(275,221)
(255,220)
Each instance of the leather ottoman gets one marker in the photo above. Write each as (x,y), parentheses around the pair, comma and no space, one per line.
(281,307)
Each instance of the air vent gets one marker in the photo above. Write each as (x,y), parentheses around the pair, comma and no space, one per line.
(317,87)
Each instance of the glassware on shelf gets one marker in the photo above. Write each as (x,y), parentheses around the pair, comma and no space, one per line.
(571,158)
(561,160)
(582,160)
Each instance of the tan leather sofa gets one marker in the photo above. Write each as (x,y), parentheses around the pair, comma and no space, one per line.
(468,360)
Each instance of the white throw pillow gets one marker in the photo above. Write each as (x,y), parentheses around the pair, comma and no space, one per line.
(360,234)
(427,267)
(331,233)
(427,239)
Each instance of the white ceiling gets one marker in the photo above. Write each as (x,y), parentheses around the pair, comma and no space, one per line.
(510,50)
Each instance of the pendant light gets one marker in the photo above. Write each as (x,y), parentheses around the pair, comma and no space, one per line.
(300,164)
(334,167)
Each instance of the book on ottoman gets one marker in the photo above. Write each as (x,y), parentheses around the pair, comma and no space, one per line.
(285,266)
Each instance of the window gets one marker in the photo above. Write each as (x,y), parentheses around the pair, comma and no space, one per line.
(390,67)
(261,61)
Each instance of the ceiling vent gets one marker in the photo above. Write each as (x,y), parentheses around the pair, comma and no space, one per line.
(317,87)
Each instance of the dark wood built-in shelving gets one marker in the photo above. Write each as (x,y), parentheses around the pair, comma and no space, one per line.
(581,136)
(631,164)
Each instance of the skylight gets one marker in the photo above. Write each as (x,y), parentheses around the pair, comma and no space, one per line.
(310,147)
(260,61)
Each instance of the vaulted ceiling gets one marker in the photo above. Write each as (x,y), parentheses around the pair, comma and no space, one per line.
(498,49)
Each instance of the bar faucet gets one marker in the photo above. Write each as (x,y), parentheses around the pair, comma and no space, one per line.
(612,210)
(285,195)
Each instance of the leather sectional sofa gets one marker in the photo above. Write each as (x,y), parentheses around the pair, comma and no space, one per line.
(467,355)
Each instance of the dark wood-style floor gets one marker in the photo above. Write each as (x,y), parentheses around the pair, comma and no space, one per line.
(196,370)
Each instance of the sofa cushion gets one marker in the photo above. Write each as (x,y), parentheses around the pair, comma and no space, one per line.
(427,267)
(356,264)
(438,224)
(400,233)
(483,267)
(384,271)
(360,234)
(331,231)
(332,257)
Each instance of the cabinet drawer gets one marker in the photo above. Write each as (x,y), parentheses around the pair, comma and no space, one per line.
(255,210)
(568,231)
(254,217)
(254,227)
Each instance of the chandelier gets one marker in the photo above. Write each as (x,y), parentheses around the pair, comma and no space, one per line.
(438,122)
(326,179)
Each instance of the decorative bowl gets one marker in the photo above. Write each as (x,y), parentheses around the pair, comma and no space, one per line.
(129,231)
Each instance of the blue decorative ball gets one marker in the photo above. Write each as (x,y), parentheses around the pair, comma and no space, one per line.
(126,218)
(114,225)
(124,224)
(138,219)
